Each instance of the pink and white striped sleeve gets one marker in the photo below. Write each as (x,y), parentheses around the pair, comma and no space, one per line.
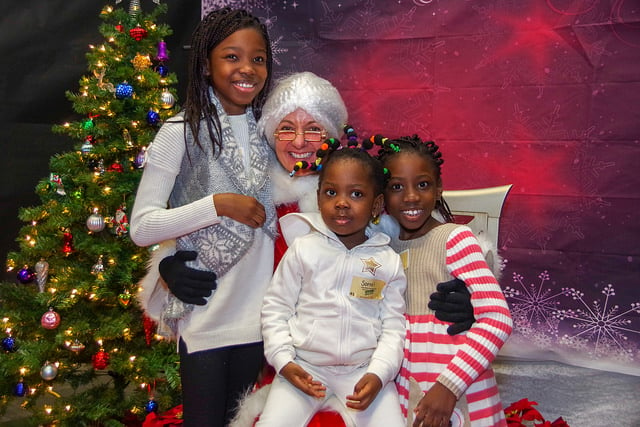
(493,323)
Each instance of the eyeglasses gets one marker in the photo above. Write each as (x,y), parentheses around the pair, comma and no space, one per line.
(309,135)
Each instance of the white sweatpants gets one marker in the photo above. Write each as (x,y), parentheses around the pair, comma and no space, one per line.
(286,406)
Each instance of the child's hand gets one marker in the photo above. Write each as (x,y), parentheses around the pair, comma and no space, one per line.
(364,392)
(302,380)
(244,209)
(435,408)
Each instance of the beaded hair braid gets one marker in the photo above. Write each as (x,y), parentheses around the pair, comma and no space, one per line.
(363,158)
(414,145)
(210,32)
(330,145)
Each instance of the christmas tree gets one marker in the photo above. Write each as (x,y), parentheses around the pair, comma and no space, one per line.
(76,348)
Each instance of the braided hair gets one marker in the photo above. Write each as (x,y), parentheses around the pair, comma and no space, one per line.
(216,26)
(360,155)
(413,144)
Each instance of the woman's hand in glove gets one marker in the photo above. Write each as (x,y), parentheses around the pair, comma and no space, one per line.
(188,284)
(452,303)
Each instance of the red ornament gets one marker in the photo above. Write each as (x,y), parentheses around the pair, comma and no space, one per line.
(100,360)
(149,328)
(50,320)
(67,242)
(138,33)
(115,167)
(120,28)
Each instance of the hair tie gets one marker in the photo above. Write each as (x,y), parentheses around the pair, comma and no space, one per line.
(298,166)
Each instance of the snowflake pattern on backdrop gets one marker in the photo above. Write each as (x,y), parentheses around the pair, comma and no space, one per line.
(209,5)
(601,328)
(543,318)
(534,306)
(251,6)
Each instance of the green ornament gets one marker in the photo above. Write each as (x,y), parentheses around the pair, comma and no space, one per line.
(87,124)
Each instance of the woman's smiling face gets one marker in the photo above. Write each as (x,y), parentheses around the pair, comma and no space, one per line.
(300,148)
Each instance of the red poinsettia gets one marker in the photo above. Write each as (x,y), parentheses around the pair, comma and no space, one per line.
(523,414)
(170,418)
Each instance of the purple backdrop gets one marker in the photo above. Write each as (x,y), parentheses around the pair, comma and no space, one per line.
(539,94)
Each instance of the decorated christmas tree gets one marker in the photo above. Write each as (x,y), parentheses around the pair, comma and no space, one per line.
(76,349)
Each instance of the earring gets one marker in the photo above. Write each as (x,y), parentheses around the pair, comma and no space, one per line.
(375,220)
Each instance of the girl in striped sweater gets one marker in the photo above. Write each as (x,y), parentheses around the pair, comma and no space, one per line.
(445,380)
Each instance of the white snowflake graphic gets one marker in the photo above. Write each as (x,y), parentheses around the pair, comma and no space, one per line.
(533,307)
(601,324)
(276,50)
(209,5)
(543,319)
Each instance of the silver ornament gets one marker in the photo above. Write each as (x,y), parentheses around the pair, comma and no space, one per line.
(134,8)
(167,99)
(95,222)
(48,371)
(42,273)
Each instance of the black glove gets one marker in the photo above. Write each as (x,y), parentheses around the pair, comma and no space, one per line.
(452,303)
(187,284)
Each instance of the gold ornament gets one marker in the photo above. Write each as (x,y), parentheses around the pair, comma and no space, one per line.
(141,62)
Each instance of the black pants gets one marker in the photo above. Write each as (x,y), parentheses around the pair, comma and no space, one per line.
(214,380)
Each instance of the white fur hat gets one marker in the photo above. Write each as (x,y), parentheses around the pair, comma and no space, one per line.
(313,94)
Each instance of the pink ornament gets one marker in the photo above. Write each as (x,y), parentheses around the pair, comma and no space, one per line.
(50,320)
(162,51)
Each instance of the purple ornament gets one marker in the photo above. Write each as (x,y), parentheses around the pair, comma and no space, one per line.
(162,51)
(26,275)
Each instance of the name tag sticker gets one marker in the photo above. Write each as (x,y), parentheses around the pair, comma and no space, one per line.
(366,288)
